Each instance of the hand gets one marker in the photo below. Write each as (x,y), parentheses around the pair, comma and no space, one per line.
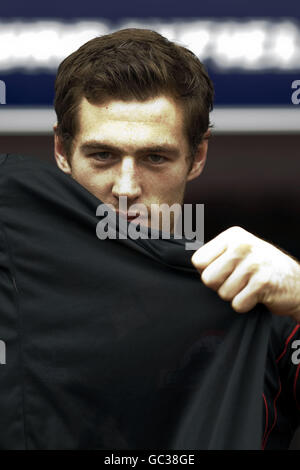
(247,270)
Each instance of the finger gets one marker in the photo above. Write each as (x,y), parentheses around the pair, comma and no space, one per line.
(219,270)
(246,299)
(207,253)
(234,283)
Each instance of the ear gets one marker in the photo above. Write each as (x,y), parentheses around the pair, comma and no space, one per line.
(200,158)
(60,157)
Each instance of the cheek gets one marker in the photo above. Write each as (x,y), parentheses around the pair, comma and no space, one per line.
(92,180)
(174,181)
(170,190)
(172,178)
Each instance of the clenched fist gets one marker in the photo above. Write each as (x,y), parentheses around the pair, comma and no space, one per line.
(247,270)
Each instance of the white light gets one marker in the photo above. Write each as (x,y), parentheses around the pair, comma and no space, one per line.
(196,36)
(285,50)
(43,44)
(240,45)
(248,45)
(7,38)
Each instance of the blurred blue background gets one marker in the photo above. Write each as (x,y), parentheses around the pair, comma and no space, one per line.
(258,84)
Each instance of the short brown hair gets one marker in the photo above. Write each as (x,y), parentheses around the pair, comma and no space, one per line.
(132,64)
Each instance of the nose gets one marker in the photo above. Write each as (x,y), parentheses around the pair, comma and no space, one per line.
(127,182)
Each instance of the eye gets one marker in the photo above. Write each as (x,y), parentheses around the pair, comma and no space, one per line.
(102,156)
(156,159)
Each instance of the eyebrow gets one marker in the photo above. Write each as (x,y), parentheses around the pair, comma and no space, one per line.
(97,145)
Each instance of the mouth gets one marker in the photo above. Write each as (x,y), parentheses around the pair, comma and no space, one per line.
(128,216)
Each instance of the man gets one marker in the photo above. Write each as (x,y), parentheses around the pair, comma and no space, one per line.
(121,132)
(133,120)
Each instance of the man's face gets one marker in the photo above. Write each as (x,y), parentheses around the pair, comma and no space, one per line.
(134,149)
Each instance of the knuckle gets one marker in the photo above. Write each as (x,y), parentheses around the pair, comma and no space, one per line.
(208,280)
(261,284)
(236,230)
(237,307)
(225,295)
(197,261)
(242,250)
(253,267)
(240,305)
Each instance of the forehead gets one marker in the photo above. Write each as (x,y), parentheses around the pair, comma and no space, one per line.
(160,117)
